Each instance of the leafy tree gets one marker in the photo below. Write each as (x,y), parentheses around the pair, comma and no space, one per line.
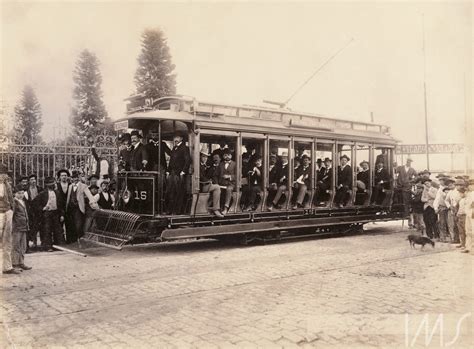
(154,77)
(28,117)
(88,113)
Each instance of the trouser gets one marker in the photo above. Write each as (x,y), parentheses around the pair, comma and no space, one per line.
(301,190)
(322,194)
(443,224)
(452,226)
(361,197)
(19,248)
(88,221)
(74,224)
(342,196)
(279,193)
(378,195)
(469,232)
(411,220)
(228,195)
(215,191)
(52,229)
(7,239)
(430,219)
(418,222)
(175,188)
(461,223)
(254,192)
(35,226)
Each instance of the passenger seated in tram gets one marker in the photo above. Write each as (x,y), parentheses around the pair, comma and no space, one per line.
(363,183)
(302,181)
(207,184)
(125,152)
(216,160)
(139,155)
(180,160)
(344,182)
(281,182)
(324,182)
(255,185)
(273,177)
(227,175)
(319,166)
(222,146)
(381,183)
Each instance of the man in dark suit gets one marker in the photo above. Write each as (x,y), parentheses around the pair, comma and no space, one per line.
(405,176)
(281,182)
(381,183)
(125,152)
(33,217)
(178,169)
(139,154)
(227,177)
(153,157)
(302,181)
(255,184)
(48,202)
(344,182)
(363,183)
(324,182)
(273,177)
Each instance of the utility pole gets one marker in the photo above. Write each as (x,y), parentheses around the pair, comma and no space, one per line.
(424,93)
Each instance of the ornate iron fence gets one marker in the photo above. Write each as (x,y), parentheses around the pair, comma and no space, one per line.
(45,159)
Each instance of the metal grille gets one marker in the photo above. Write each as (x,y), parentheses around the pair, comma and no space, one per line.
(45,159)
(112,228)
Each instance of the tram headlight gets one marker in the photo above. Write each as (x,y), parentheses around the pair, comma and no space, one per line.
(126,195)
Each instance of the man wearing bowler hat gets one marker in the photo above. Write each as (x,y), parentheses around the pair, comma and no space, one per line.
(33,217)
(125,152)
(180,160)
(302,181)
(381,183)
(324,182)
(139,154)
(344,182)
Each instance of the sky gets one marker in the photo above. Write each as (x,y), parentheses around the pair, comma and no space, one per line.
(244,52)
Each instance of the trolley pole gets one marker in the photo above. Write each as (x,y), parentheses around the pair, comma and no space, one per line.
(425,101)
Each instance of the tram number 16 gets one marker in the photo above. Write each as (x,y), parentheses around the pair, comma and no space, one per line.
(140,195)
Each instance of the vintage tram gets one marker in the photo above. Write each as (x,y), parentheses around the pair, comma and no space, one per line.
(142,213)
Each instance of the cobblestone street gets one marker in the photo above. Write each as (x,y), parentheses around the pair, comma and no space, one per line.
(369,290)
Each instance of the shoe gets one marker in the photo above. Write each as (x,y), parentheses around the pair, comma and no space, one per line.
(11,271)
(249,209)
(50,249)
(459,246)
(295,207)
(226,210)
(270,207)
(24,267)
(464,251)
(217,213)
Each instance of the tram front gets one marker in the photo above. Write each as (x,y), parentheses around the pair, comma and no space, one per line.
(140,212)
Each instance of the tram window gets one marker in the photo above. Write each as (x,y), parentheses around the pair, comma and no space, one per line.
(218,171)
(363,176)
(382,177)
(278,174)
(343,194)
(303,172)
(324,186)
(253,174)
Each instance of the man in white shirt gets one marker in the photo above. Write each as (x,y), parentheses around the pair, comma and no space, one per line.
(452,203)
(469,209)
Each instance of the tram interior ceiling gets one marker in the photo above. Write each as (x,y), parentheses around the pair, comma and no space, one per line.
(251,171)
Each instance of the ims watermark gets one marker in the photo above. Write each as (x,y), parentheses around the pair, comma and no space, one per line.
(446,328)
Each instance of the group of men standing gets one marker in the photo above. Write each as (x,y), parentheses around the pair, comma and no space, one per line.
(136,156)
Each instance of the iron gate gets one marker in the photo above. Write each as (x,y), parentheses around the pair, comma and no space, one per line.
(45,159)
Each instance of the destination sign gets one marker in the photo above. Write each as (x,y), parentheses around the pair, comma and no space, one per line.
(432,148)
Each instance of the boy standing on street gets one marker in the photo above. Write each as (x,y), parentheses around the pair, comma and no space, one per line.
(20,229)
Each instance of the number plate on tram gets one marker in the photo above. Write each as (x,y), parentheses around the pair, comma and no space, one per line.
(136,193)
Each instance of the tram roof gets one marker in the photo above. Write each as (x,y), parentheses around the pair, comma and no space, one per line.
(227,117)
